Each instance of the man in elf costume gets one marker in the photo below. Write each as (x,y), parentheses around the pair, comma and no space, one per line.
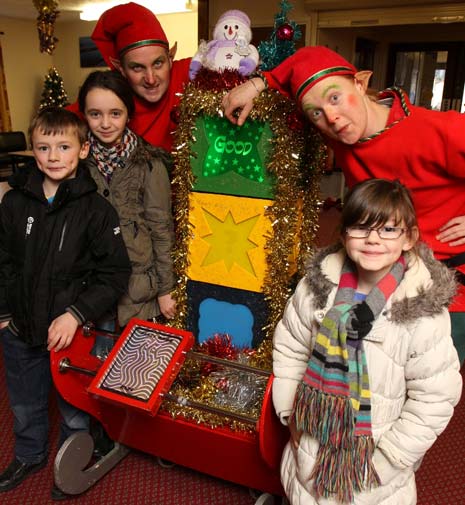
(132,41)
(387,137)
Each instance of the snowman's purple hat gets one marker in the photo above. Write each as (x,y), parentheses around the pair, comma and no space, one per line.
(236,15)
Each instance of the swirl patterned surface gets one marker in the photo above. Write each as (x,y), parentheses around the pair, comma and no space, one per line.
(141,362)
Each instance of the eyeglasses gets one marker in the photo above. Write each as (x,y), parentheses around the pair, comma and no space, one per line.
(384,232)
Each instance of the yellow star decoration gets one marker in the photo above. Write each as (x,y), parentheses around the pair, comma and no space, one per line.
(229,241)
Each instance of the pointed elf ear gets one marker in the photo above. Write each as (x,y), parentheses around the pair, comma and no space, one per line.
(117,64)
(363,78)
(172,51)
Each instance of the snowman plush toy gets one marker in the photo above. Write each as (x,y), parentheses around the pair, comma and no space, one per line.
(230,47)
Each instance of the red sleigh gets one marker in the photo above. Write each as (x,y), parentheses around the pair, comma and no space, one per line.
(132,418)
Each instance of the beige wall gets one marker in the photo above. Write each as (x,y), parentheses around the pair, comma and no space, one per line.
(66,54)
(181,28)
(26,67)
(341,41)
(261,13)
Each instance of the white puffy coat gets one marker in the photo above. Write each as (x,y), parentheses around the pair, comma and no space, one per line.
(412,364)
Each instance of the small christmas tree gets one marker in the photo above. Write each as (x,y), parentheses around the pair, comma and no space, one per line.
(54,93)
(281,43)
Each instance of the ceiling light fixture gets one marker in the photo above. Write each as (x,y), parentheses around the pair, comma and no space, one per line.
(93,11)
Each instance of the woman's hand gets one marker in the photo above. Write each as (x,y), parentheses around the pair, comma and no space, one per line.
(238,103)
(453,231)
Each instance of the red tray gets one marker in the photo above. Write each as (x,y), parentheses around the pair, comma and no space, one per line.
(142,365)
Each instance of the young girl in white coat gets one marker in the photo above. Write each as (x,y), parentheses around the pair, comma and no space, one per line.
(366,374)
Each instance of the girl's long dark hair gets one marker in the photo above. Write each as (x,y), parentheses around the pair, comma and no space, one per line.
(111,80)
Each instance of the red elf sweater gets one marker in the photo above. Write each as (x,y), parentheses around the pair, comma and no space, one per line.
(156,122)
(425,150)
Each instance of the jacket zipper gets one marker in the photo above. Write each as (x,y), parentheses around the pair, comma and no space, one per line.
(62,238)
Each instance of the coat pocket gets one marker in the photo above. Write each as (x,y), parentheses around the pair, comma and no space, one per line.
(65,291)
(138,242)
(142,286)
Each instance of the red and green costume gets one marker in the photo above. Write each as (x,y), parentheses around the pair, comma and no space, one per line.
(129,26)
(155,122)
(425,150)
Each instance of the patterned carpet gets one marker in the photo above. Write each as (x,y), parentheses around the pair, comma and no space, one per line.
(140,480)
(441,476)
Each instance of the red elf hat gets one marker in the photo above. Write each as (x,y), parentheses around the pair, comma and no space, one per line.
(126,27)
(307,66)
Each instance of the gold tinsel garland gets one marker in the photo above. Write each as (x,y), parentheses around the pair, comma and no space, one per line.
(296,159)
(48,14)
(194,385)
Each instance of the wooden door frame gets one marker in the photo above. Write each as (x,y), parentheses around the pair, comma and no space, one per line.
(5,116)
(203,19)
(455,76)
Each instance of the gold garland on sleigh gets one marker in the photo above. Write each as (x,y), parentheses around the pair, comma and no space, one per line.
(296,161)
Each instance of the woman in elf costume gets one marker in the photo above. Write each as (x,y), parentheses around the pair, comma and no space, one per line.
(384,138)
(366,374)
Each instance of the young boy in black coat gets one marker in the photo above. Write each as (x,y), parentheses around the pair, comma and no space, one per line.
(62,262)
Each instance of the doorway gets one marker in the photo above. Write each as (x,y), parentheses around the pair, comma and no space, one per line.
(432,74)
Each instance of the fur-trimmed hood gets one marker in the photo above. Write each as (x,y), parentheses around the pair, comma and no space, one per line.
(427,287)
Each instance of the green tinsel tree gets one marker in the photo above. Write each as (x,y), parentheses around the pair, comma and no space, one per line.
(281,43)
(54,93)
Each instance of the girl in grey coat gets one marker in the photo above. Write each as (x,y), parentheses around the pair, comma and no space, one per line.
(133,176)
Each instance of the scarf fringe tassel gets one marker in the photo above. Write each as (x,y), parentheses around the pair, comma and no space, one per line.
(344,463)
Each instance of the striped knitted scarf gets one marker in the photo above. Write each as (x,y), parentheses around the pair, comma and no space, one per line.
(332,402)
(108,159)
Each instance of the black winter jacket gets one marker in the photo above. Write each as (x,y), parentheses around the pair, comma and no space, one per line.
(64,256)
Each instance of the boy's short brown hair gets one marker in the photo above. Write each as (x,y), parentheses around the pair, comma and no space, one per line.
(56,120)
